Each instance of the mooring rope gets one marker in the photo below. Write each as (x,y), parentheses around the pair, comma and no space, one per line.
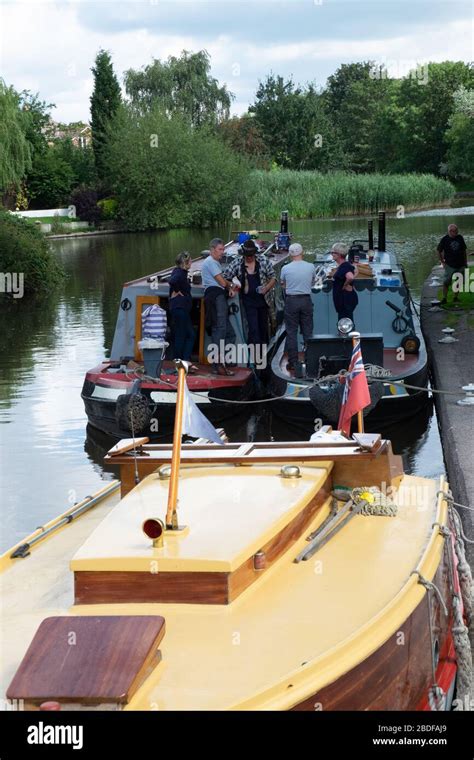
(384,378)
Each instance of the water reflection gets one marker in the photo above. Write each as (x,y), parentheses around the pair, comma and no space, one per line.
(46,347)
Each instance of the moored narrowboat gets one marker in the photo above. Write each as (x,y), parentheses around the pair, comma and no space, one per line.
(122,398)
(391,339)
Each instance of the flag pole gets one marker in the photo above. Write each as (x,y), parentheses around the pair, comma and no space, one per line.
(171,511)
(360,417)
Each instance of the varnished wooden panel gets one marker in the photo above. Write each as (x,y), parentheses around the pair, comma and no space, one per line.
(109,587)
(88,659)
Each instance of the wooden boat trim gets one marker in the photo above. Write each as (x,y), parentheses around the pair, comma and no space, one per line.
(351,464)
(333,664)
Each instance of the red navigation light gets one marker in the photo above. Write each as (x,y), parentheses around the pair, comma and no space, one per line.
(153,528)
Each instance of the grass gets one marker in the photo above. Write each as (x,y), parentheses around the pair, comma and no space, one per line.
(465,186)
(50,219)
(308,194)
(465,303)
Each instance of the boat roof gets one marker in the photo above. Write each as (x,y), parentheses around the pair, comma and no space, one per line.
(224,527)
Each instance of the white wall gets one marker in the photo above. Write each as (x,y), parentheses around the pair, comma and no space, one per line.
(70,212)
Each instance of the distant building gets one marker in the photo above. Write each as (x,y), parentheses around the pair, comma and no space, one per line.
(78,132)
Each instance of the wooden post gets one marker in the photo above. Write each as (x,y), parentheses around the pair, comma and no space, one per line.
(360,415)
(171,512)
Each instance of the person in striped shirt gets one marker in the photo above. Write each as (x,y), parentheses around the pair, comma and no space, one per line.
(154,324)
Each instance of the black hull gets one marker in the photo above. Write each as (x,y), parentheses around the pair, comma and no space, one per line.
(301,414)
(102,414)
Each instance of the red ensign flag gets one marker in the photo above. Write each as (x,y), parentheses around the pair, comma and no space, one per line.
(356,391)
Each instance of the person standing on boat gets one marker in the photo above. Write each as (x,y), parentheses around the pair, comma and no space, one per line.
(180,304)
(215,287)
(343,292)
(257,278)
(297,279)
(452,252)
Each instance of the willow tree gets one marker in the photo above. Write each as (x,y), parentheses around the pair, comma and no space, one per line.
(181,86)
(15,150)
(105,100)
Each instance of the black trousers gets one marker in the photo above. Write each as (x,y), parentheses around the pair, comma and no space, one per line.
(257,320)
(298,314)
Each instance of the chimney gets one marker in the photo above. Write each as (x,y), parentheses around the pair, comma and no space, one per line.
(381,241)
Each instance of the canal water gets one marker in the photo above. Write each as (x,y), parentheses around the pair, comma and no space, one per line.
(47,460)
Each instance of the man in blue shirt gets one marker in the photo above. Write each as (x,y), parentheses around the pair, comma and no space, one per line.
(215,287)
(297,279)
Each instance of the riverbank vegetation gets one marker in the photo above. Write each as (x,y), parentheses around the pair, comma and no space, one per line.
(312,194)
(26,252)
(167,152)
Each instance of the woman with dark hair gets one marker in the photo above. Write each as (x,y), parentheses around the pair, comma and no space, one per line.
(343,291)
(180,304)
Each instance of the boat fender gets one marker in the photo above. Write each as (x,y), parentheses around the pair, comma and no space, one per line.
(133,413)
(126,304)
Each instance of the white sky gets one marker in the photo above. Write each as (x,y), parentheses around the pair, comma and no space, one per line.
(49,47)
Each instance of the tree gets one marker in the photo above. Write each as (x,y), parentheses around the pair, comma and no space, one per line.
(427,106)
(181,86)
(167,174)
(15,150)
(23,248)
(294,125)
(357,95)
(242,135)
(460,136)
(81,161)
(105,101)
(50,181)
(37,114)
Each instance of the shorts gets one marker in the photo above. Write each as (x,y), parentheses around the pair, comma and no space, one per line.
(449,272)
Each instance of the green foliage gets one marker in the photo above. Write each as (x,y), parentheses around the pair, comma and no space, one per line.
(23,248)
(294,125)
(167,174)
(460,136)
(37,115)
(105,101)
(181,86)
(15,150)
(367,121)
(242,135)
(108,208)
(80,160)
(310,194)
(427,109)
(50,181)
(56,225)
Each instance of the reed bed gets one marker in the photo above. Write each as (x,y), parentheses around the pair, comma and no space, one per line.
(309,194)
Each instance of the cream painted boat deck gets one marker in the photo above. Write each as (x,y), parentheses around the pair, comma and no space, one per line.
(296,629)
(226,524)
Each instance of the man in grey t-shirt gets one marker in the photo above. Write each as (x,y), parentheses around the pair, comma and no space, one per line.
(297,279)
(215,286)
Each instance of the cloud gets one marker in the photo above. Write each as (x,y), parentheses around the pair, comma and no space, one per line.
(246,40)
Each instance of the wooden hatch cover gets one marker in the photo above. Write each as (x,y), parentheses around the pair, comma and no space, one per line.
(88,659)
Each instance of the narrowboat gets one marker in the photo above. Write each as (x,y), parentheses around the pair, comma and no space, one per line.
(121,399)
(391,339)
(312,575)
